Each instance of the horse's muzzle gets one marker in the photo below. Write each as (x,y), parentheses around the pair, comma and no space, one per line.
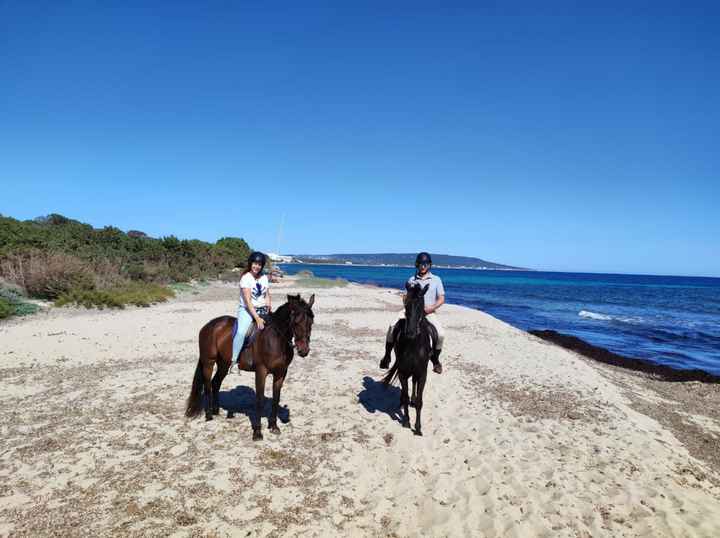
(303,348)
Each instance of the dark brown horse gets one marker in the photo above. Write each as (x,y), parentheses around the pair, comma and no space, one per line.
(271,352)
(413,346)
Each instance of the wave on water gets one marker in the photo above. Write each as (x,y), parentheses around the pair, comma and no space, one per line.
(587,314)
(594,315)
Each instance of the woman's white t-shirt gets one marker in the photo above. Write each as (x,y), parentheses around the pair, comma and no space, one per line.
(258,289)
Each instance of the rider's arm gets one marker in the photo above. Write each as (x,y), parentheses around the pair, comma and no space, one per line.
(440,301)
(269,301)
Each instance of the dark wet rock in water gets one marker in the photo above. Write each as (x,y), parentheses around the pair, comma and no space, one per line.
(605,356)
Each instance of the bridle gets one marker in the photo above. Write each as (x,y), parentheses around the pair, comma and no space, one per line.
(288,336)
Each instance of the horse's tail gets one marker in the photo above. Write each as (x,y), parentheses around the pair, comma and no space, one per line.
(391,375)
(194,401)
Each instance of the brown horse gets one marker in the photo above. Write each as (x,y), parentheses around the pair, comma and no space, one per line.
(271,352)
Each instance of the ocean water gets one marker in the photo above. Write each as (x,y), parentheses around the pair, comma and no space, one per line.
(666,319)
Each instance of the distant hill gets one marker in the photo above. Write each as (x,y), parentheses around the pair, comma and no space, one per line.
(439,260)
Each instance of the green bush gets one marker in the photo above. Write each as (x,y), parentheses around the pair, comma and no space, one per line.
(321,283)
(6,309)
(133,293)
(13,304)
(54,255)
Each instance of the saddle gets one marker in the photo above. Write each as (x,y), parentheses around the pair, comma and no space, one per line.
(251,334)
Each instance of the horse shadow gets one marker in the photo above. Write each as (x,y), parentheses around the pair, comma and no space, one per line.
(377,397)
(241,400)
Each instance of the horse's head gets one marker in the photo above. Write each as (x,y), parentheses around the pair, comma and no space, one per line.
(301,320)
(414,308)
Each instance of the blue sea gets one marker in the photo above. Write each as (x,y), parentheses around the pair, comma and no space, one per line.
(667,319)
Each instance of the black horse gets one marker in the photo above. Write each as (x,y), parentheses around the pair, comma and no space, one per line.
(413,346)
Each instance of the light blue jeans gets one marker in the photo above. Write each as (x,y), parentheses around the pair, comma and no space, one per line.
(244,321)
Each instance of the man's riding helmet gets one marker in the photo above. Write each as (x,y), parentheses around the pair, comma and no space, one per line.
(258,257)
(423,257)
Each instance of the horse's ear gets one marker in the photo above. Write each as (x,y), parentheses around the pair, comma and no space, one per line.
(424,290)
(292,298)
(312,300)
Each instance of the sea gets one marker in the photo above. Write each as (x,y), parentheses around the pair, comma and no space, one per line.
(670,320)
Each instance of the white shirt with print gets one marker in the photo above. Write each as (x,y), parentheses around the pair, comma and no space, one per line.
(258,289)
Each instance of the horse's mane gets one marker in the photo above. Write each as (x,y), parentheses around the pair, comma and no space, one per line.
(280,318)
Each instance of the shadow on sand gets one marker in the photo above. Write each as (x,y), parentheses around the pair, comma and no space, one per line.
(376,397)
(241,400)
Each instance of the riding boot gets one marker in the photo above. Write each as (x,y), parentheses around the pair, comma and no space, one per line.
(435,358)
(385,362)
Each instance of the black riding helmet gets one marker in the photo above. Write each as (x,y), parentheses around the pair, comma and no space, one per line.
(423,257)
(258,257)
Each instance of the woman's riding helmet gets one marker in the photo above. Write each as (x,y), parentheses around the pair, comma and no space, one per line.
(258,257)
(423,257)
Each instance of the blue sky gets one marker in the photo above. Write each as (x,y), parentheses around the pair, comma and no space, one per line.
(547,135)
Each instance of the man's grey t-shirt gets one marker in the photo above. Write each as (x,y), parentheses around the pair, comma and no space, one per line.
(435,290)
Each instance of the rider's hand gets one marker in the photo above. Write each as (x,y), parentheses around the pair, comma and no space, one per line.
(260,324)
(429,310)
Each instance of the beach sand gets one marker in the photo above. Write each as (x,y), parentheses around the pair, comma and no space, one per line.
(522,437)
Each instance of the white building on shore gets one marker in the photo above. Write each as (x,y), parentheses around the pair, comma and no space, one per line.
(279,258)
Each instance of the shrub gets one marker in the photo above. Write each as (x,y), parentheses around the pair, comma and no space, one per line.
(133,293)
(13,303)
(6,309)
(106,256)
(48,275)
(322,283)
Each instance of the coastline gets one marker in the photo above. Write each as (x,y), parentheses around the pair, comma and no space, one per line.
(584,347)
(469,268)
(522,437)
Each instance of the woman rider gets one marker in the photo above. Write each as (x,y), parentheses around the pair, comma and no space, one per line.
(255,302)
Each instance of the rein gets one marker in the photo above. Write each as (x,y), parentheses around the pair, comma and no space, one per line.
(286,335)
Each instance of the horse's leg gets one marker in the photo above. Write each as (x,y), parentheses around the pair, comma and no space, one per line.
(404,401)
(414,392)
(220,374)
(208,368)
(277,387)
(260,375)
(419,402)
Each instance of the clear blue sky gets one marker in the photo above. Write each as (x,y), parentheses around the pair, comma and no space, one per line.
(543,134)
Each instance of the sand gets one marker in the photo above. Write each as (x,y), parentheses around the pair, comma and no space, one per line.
(522,438)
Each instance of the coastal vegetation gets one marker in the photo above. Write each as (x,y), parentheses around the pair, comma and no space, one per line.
(306,279)
(59,259)
(12,302)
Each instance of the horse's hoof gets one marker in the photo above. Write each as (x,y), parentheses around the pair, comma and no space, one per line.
(257,436)
(216,411)
(230,414)
(406,424)
(418,433)
(208,418)
(275,430)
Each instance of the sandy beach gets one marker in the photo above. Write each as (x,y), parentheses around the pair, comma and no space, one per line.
(522,438)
